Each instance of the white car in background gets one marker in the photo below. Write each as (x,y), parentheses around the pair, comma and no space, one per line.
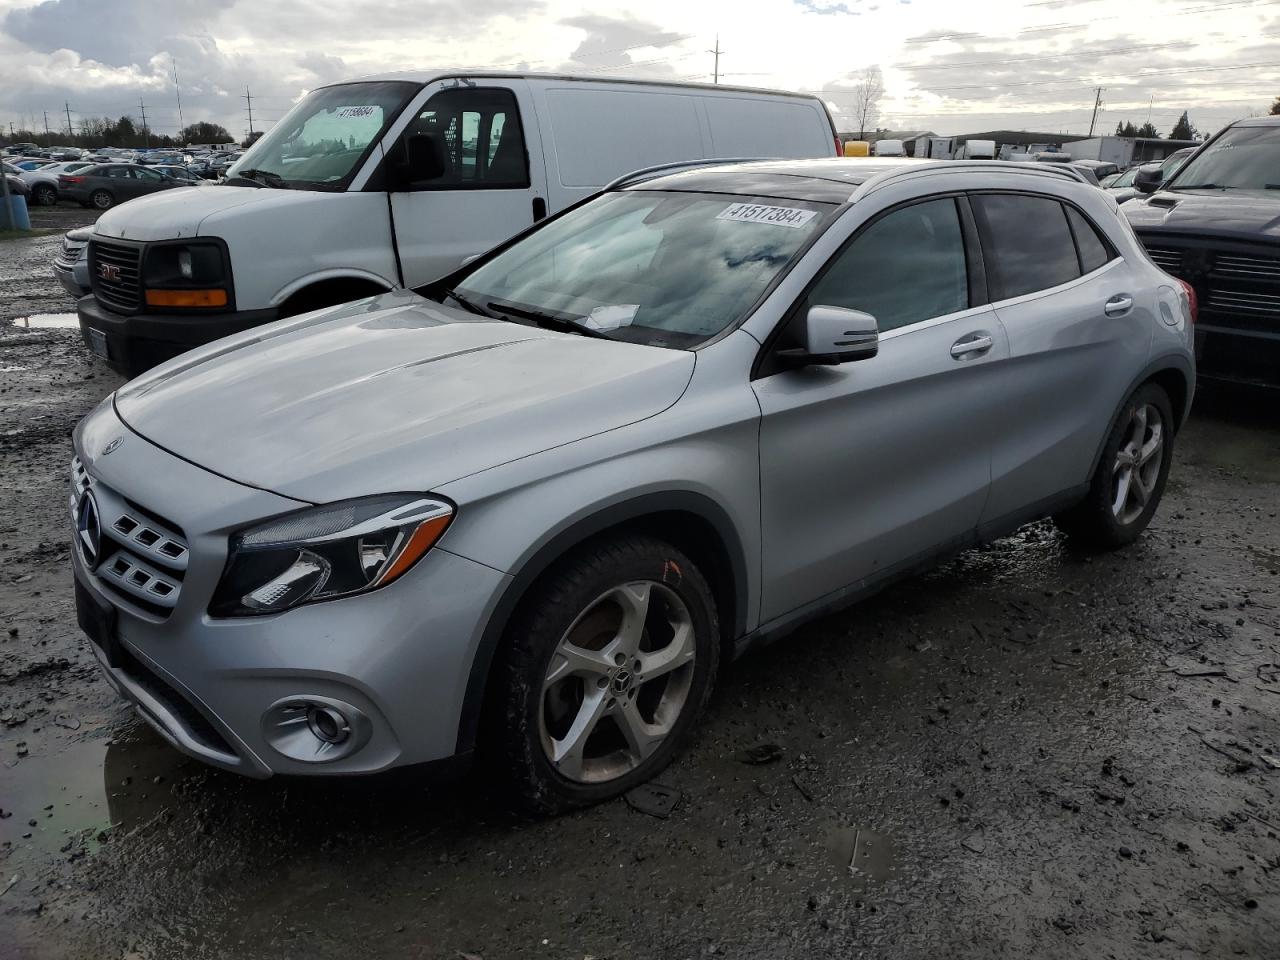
(43,181)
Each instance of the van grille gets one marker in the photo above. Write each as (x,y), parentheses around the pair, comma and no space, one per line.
(114,270)
(142,558)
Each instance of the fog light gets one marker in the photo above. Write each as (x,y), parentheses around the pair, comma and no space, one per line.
(315,729)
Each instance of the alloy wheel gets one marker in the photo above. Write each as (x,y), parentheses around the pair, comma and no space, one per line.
(617,683)
(1137,464)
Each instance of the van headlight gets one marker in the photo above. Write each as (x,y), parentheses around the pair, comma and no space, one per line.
(188,275)
(322,553)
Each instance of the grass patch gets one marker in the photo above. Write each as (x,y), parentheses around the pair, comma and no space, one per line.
(25,234)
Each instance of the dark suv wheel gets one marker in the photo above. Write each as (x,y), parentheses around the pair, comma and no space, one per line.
(102,199)
(44,195)
(606,667)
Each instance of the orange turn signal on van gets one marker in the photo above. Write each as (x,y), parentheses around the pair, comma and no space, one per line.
(186,298)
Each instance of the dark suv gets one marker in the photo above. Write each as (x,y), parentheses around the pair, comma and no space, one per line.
(1216,225)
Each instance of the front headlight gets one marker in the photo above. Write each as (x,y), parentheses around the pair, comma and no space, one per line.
(186,275)
(322,553)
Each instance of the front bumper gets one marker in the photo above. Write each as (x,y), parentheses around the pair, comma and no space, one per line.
(136,343)
(72,274)
(400,657)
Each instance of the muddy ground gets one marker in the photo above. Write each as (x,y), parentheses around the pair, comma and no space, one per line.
(1027,753)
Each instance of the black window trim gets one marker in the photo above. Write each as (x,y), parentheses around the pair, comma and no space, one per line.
(765,364)
(385,179)
(995,282)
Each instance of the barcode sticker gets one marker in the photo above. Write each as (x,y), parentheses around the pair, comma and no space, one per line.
(757,213)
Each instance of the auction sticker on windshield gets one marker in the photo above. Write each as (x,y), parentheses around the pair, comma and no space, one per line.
(355,112)
(758,213)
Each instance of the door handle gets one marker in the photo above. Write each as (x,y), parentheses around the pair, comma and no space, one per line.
(971,346)
(1118,305)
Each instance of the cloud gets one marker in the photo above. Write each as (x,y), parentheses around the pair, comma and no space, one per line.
(611,42)
(828,9)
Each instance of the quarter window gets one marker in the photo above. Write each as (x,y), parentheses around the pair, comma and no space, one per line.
(1027,243)
(1094,251)
(479,138)
(906,267)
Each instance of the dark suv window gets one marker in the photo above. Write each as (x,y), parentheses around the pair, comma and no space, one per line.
(1094,250)
(907,266)
(478,133)
(1027,244)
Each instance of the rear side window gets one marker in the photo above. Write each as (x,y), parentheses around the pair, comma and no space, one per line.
(1027,245)
(906,267)
(1094,250)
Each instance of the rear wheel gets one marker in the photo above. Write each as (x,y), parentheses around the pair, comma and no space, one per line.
(44,195)
(1129,480)
(605,669)
(102,199)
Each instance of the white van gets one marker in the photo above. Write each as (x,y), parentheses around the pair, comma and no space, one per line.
(889,148)
(395,181)
(977,150)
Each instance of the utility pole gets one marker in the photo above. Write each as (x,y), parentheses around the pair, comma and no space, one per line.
(715,76)
(146,135)
(1097,102)
(70,132)
(177,92)
(46,123)
(249,102)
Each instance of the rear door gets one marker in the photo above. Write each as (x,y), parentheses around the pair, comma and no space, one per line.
(493,185)
(1078,328)
(867,466)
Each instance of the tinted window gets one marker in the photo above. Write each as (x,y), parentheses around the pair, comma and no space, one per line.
(906,267)
(115,173)
(477,133)
(1094,251)
(1027,246)
(142,173)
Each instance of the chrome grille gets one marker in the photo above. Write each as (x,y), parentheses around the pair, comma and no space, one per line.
(120,288)
(1252,268)
(143,559)
(1167,260)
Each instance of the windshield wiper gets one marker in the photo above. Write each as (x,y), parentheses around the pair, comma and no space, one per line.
(267,178)
(1201,186)
(548,322)
(467,305)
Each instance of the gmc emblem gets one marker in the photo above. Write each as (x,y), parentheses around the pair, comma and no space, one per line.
(109,271)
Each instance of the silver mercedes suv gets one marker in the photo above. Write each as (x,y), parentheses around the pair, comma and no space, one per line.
(530,510)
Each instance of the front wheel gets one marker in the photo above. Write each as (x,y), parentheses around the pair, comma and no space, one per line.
(604,671)
(1129,480)
(101,199)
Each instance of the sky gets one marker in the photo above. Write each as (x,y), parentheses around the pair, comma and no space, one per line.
(949,66)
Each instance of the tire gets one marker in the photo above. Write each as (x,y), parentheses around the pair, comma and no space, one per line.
(613,718)
(102,199)
(44,195)
(1128,483)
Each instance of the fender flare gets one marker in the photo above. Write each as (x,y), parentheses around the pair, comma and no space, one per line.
(340,273)
(561,542)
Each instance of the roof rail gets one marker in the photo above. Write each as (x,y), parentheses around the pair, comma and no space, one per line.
(1060,171)
(662,169)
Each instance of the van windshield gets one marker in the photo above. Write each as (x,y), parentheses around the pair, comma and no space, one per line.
(1242,158)
(320,143)
(664,269)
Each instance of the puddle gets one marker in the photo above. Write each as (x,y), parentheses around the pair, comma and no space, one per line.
(84,788)
(863,855)
(46,321)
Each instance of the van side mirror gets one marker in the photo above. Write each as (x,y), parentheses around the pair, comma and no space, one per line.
(1147,179)
(423,157)
(833,335)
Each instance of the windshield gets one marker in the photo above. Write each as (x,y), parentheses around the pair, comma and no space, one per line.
(664,269)
(319,144)
(1243,158)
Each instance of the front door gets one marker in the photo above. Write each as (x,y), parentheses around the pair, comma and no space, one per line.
(493,179)
(868,465)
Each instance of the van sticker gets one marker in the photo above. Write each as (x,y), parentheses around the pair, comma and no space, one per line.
(612,316)
(757,213)
(356,112)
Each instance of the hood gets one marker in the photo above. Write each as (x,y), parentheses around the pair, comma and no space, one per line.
(1244,216)
(179,212)
(393,393)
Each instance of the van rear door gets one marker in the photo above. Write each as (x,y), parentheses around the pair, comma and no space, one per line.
(492,180)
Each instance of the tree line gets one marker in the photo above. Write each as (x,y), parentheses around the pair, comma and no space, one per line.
(1182,130)
(98,132)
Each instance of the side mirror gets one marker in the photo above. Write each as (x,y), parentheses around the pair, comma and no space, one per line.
(423,157)
(1147,179)
(835,335)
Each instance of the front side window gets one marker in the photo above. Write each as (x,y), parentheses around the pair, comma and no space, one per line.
(115,173)
(1027,244)
(665,269)
(906,267)
(1242,158)
(319,144)
(477,135)
(142,173)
